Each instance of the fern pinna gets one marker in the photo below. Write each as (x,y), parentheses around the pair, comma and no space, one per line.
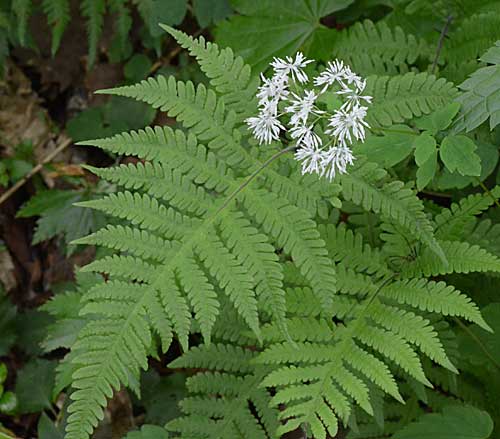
(216,236)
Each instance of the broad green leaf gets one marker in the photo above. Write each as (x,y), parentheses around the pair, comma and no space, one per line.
(488,154)
(270,28)
(456,422)
(169,12)
(440,119)
(426,171)
(34,386)
(48,430)
(389,149)
(425,148)
(211,11)
(458,154)
(137,68)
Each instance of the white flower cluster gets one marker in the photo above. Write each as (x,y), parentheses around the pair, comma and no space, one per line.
(284,96)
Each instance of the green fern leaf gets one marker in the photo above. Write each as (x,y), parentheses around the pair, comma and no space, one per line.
(453,222)
(392,200)
(58,16)
(461,256)
(366,45)
(400,98)
(94,11)
(22,9)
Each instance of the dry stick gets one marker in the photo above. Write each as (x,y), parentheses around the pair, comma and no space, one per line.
(444,31)
(35,170)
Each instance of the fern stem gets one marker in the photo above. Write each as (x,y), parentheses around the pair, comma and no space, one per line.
(252,177)
(485,188)
(478,342)
(369,300)
(442,36)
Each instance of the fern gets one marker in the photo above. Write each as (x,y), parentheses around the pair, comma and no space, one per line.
(212,236)
(375,48)
(226,400)
(94,11)
(58,16)
(472,38)
(22,9)
(404,97)
(210,247)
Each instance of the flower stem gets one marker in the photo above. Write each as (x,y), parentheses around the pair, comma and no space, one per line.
(252,176)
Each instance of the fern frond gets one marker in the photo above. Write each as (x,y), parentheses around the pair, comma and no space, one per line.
(109,352)
(400,98)
(161,182)
(123,22)
(451,223)
(367,44)
(174,150)
(474,35)
(435,297)
(94,11)
(226,400)
(58,16)
(22,9)
(461,256)
(392,200)
(347,247)
(199,110)
(228,74)
(134,241)
(232,277)
(144,211)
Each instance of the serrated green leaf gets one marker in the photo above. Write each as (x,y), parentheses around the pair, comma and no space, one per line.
(170,12)
(211,11)
(440,119)
(425,148)
(48,430)
(34,386)
(426,171)
(270,28)
(458,154)
(390,149)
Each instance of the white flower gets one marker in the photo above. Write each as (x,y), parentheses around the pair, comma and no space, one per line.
(301,107)
(351,78)
(289,66)
(353,96)
(334,72)
(343,123)
(306,136)
(266,127)
(336,160)
(311,159)
(275,88)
